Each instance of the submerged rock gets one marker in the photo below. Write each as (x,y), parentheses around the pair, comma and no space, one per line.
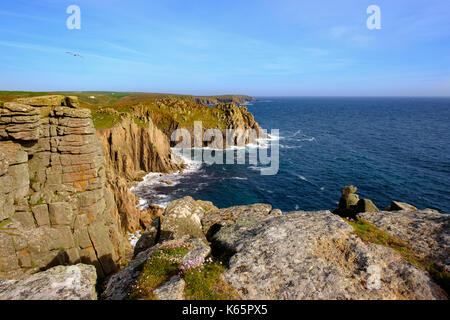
(75,282)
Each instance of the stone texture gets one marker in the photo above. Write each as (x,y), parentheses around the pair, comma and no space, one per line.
(171,290)
(130,152)
(314,255)
(427,231)
(75,282)
(119,285)
(53,189)
(398,206)
(182,217)
(350,204)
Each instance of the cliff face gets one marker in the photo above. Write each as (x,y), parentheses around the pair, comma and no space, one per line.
(55,207)
(65,188)
(132,150)
(171,114)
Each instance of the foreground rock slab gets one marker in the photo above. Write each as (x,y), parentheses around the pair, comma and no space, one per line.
(75,282)
(314,255)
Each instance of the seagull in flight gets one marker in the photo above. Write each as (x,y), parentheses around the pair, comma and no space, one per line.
(74,54)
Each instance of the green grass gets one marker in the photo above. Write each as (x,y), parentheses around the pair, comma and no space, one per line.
(369,233)
(208,284)
(160,267)
(105,120)
(4,223)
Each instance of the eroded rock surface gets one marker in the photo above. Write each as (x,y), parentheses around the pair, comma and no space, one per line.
(75,282)
(119,286)
(55,207)
(314,255)
(427,231)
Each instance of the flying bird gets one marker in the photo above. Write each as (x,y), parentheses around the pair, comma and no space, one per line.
(74,54)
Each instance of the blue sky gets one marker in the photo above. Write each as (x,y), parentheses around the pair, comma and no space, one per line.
(261,48)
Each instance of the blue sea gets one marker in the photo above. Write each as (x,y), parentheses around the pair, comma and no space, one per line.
(390,148)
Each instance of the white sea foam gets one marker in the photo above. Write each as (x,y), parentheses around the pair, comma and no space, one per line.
(134,237)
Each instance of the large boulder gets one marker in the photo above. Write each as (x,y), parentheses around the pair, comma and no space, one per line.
(149,238)
(75,282)
(315,255)
(171,290)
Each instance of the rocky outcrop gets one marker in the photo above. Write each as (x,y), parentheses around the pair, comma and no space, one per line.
(397,206)
(314,255)
(171,290)
(350,204)
(55,207)
(427,231)
(75,282)
(216,219)
(119,286)
(299,255)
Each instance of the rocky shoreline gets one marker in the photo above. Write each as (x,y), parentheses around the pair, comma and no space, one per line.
(66,206)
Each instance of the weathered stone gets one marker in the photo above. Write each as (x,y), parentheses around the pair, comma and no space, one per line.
(199,251)
(59,283)
(51,100)
(8,259)
(171,290)
(24,218)
(350,204)
(426,231)
(182,217)
(41,215)
(398,206)
(365,205)
(82,239)
(99,235)
(118,287)
(20,175)
(17,109)
(213,220)
(312,255)
(276,212)
(149,238)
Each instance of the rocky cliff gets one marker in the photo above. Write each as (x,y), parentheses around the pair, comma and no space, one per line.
(65,186)
(55,207)
(254,252)
(132,150)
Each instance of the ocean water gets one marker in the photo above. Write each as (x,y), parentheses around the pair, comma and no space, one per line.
(390,148)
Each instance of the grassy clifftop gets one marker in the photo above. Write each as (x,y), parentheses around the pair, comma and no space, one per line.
(109,97)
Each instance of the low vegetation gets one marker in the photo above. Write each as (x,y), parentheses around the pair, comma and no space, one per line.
(205,283)
(369,233)
(160,267)
(203,278)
